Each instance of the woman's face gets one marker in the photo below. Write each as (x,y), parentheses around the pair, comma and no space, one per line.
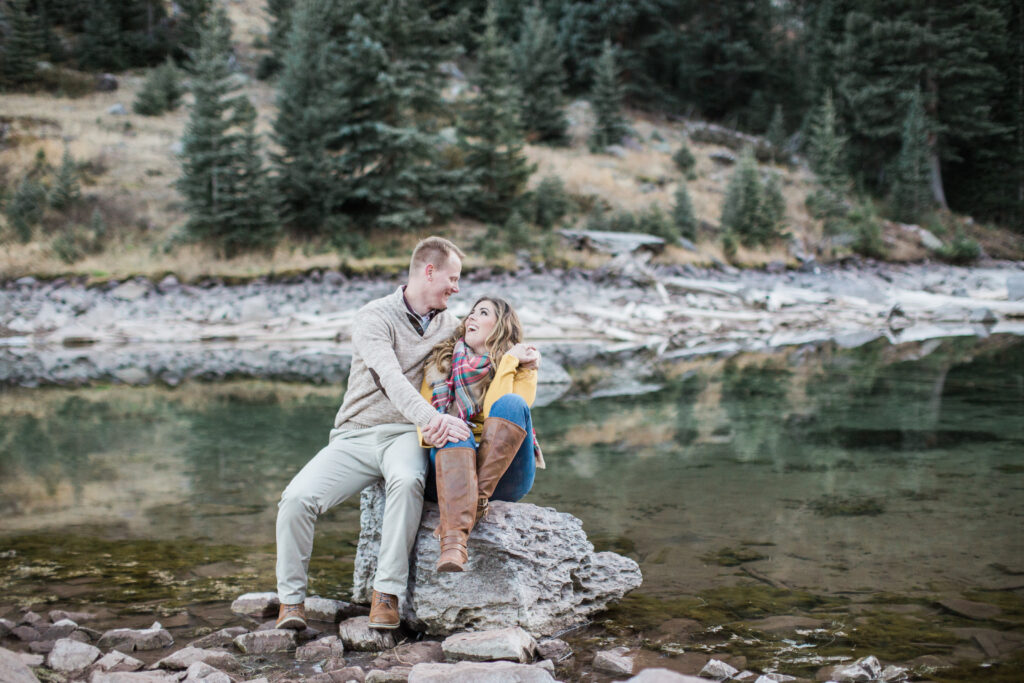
(479,324)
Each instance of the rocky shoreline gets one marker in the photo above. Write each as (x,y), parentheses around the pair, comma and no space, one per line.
(138,332)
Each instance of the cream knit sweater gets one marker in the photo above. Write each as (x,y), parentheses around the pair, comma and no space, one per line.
(387,365)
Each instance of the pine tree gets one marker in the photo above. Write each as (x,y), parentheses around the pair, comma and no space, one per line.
(682,213)
(893,48)
(223,187)
(192,16)
(492,141)
(684,159)
(160,92)
(826,148)
(25,209)
(280,12)
(747,213)
(101,44)
(911,193)
(773,212)
(24,44)
(540,72)
(776,133)
(606,98)
(66,189)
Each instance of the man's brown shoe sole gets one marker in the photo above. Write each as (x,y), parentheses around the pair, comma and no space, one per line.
(293,623)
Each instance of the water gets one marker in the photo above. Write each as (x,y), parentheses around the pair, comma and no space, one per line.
(849,492)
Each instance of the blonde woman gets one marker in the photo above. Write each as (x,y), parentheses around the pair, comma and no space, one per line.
(484,375)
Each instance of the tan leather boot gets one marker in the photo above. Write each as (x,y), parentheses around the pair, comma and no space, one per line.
(499,443)
(291,616)
(384,611)
(456,500)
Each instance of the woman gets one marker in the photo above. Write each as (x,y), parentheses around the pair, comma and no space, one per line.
(486,376)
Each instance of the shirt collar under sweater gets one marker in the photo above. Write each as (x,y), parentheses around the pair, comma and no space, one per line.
(419,322)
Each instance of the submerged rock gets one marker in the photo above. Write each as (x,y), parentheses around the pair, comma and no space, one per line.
(719,670)
(528,566)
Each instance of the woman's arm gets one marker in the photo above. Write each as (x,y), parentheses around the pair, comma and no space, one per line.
(510,378)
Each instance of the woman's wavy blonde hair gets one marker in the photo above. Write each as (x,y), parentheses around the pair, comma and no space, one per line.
(507,332)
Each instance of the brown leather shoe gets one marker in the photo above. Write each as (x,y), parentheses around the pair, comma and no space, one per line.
(456,500)
(499,443)
(291,616)
(384,611)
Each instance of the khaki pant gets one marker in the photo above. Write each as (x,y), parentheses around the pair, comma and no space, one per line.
(351,461)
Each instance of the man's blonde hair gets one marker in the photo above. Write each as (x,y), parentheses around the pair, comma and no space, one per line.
(434,250)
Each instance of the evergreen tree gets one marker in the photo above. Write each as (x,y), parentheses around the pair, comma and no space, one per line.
(24,44)
(310,112)
(221,177)
(684,159)
(540,72)
(911,193)
(826,147)
(25,209)
(192,15)
(606,98)
(747,214)
(492,141)
(66,189)
(280,12)
(774,210)
(682,213)
(160,92)
(776,133)
(101,45)
(893,48)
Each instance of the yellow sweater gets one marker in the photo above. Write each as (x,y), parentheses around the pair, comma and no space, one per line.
(508,379)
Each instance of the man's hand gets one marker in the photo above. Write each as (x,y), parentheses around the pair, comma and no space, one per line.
(445,429)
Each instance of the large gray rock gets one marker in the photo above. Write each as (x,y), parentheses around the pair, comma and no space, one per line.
(69,656)
(513,644)
(357,635)
(133,640)
(13,670)
(528,566)
(263,642)
(479,672)
(186,657)
(256,605)
(115,661)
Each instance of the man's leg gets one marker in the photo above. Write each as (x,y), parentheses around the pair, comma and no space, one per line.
(403,463)
(344,467)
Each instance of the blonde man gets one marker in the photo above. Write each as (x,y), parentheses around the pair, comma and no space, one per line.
(374,436)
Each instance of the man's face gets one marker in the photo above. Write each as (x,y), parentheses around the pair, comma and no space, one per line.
(443,282)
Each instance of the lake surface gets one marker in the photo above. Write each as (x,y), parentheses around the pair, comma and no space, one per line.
(793,509)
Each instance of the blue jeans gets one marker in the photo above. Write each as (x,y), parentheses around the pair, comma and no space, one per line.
(518,478)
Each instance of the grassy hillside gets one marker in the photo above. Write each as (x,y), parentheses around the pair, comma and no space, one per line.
(129,167)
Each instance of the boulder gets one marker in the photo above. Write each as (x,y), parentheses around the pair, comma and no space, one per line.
(529,566)
(201,671)
(13,670)
(615,661)
(513,644)
(69,656)
(133,640)
(357,635)
(41,647)
(339,675)
(256,605)
(324,609)
(222,638)
(117,661)
(718,670)
(479,672)
(263,642)
(410,654)
(186,657)
(664,676)
(331,646)
(714,134)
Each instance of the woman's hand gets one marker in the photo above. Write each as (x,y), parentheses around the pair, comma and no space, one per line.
(527,354)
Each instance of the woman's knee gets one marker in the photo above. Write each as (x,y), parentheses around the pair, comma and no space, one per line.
(510,407)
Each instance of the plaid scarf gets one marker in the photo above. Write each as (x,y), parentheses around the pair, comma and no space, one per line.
(465,371)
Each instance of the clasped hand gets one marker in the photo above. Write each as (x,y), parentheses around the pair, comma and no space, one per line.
(528,355)
(445,429)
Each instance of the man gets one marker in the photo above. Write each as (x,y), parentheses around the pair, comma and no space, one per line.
(374,435)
